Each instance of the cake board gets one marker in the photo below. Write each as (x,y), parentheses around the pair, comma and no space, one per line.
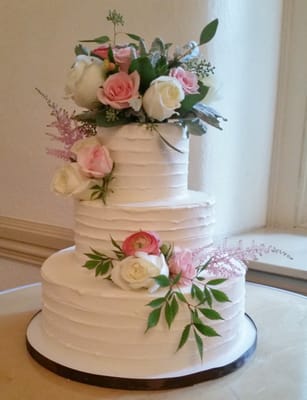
(80,367)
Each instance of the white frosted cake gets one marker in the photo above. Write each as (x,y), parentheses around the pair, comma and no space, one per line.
(143,294)
(92,315)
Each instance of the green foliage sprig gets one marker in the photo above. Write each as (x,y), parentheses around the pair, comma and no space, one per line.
(101,191)
(200,307)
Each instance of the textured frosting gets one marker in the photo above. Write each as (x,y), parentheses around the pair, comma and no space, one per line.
(186,222)
(145,167)
(95,317)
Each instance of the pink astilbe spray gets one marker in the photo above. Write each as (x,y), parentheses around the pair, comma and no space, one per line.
(69,130)
(229,261)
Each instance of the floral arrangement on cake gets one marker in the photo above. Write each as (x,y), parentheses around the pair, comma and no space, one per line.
(184,278)
(123,83)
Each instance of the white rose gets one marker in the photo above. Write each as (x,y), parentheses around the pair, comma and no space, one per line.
(87,142)
(135,272)
(69,181)
(163,97)
(84,78)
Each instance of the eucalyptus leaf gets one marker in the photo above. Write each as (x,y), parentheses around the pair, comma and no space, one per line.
(196,127)
(208,32)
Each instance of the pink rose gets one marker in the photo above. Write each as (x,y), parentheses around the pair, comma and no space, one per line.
(123,56)
(182,261)
(102,51)
(95,160)
(147,242)
(119,90)
(187,79)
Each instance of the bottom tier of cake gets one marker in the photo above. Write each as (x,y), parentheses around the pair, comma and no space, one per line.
(93,317)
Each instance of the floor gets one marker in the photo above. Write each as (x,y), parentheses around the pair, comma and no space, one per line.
(15,273)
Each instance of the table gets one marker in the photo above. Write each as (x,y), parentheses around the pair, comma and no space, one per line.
(277,370)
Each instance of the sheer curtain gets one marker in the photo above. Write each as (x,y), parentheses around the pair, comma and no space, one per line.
(234,165)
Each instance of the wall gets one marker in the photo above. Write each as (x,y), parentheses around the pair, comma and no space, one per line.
(37,39)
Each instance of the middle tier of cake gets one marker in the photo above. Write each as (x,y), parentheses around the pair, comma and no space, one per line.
(185,222)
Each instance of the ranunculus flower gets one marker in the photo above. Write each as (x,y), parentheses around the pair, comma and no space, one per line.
(102,51)
(182,261)
(120,90)
(188,79)
(163,97)
(95,161)
(70,181)
(123,57)
(84,78)
(147,242)
(136,272)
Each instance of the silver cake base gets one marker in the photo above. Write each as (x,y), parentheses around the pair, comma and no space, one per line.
(71,364)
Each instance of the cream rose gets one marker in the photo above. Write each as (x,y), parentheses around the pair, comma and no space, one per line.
(82,143)
(163,97)
(135,272)
(84,78)
(69,181)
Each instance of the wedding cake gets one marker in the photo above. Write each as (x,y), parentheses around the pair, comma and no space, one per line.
(143,293)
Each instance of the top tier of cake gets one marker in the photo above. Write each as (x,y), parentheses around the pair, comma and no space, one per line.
(146,168)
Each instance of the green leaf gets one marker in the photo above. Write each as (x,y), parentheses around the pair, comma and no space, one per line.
(219,296)
(198,293)
(171,310)
(206,330)
(103,268)
(191,99)
(115,244)
(100,39)
(208,296)
(81,50)
(153,318)
(199,344)
(184,336)
(134,37)
(195,317)
(102,119)
(208,32)
(156,302)
(181,297)
(162,280)
(176,278)
(210,314)
(93,256)
(214,282)
(91,264)
(146,71)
